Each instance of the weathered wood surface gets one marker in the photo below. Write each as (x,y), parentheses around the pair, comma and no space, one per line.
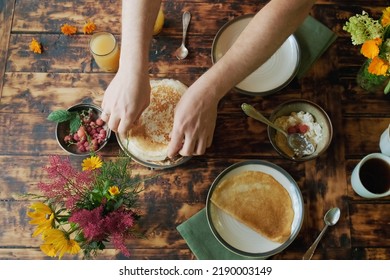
(33,85)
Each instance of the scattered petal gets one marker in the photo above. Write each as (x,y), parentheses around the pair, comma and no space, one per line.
(89,27)
(68,29)
(35,46)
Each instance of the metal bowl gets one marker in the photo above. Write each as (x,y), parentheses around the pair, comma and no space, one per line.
(63,129)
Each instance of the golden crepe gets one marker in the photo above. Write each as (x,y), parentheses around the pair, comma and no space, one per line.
(149,139)
(257,200)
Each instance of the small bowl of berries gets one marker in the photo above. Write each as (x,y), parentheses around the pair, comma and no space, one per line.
(304,117)
(80,130)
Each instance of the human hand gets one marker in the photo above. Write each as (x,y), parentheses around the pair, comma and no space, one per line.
(126,97)
(194,123)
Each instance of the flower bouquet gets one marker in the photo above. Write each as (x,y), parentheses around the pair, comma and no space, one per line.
(82,210)
(374,36)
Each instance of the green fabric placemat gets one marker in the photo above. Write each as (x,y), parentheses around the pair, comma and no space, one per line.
(314,39)
(202,242)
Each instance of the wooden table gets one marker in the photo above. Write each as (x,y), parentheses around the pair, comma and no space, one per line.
(33,85)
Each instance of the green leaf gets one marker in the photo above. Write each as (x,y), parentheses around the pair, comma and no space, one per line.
(118,204)
(386,33)
(75,123)
(60,116)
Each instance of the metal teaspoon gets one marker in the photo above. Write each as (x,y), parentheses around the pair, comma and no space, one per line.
(331,218)
(296,141)
(182,51)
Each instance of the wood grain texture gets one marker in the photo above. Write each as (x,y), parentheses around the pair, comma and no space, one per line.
(33,85)
(6,12)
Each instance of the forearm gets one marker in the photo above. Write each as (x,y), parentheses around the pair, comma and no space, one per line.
(269,28)
(138,19)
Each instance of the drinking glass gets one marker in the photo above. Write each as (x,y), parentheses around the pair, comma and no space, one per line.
(105,51)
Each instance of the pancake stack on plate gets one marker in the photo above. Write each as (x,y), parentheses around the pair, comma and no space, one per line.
(148,140)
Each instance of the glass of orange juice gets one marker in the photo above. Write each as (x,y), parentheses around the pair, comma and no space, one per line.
(105,51)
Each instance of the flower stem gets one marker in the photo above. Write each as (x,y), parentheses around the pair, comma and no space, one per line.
(387,88)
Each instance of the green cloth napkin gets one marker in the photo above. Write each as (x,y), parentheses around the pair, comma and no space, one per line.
(314,39)
(202,242)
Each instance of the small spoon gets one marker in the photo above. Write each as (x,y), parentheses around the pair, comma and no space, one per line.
(296,141)
(182,51)
(331,218)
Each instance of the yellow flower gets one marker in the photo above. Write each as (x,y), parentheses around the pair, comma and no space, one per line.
(42,216)
(35,46)
(91,163)
(68,29)
(370,48)
(49,249)
(114,190)
(89,27)
(378,66)
(56,242)
(385,21)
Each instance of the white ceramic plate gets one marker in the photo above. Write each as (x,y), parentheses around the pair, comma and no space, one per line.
(236,236)
(276,73)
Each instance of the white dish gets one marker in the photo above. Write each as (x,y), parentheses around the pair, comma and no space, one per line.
(236,236)
(276,73)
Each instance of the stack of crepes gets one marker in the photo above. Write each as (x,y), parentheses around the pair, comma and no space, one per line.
(258,201)
(149,139)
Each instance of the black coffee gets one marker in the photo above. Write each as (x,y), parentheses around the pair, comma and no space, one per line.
(375,175)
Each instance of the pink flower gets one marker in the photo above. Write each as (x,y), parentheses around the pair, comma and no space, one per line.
(92,223)
(115,225)
(119,243)
(67,184)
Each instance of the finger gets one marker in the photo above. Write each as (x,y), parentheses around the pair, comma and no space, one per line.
(175,144)
(200,147)
(125,125)
(209,141)
(113,123)
(105,116)
(188,147)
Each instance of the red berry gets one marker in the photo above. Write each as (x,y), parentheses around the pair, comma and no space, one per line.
(303,128)
(103,134)
(99,122)
(81,132)
(292,129)
(76,137)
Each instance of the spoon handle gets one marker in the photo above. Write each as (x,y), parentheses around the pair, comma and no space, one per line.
(309,253)
(186,22)
(250,111)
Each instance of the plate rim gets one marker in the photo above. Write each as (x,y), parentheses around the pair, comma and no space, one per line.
(146,163)
(219,237)
(259,93)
